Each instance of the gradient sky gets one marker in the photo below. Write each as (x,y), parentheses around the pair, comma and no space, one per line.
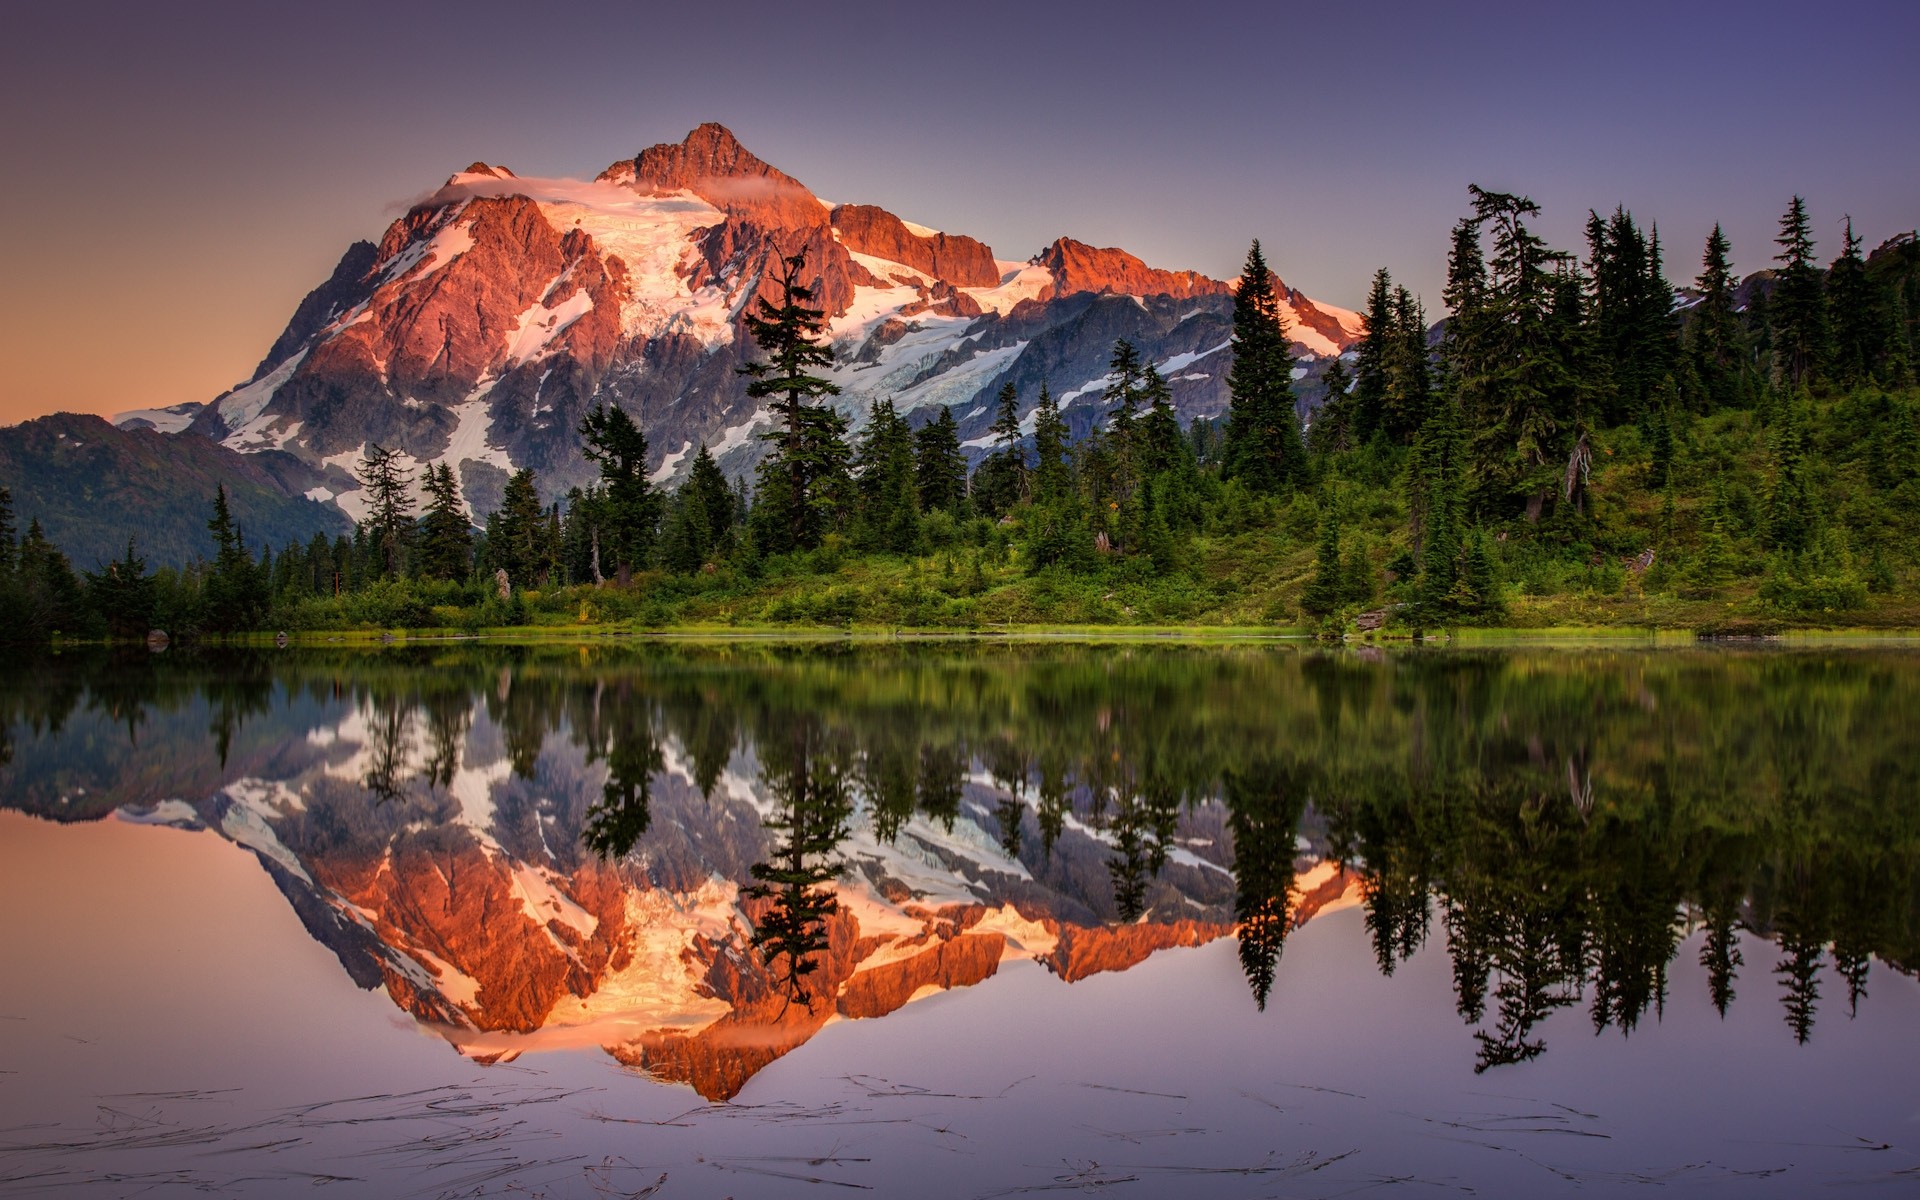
(178,175)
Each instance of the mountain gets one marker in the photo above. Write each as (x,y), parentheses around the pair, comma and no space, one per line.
(93,486)
(500,309)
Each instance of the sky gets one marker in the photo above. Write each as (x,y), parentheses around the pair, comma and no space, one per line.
(177,176)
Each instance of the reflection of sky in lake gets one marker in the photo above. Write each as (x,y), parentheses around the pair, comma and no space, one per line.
(171,1022)
(159,961)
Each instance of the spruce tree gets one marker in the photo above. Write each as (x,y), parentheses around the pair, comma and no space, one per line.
(706,482)
(629,508)
(389,520)
(1714,334)
(517,533)
(1052,477)
(1322,594)
(236,592)
(885,473)
(124,595)
(940,468)
(1002,481)
(802,481)
(1371,358)
(446,533)
(1409,380)
(1264,449)
(1798,308)
(1334,428)
(1859,327)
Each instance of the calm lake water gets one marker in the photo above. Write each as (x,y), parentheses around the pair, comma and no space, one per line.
(965,920)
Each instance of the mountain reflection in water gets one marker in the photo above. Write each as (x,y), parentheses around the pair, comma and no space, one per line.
(695,856)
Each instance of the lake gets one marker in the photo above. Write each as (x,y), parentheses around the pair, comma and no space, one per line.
(965,919)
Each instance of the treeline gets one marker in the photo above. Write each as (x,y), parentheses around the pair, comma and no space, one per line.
(1576,435)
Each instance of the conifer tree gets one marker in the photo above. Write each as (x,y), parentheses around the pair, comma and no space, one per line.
(1858,325)
(1264,805)
(446,534)
(1436,483)
(517,534)
(1409,381)
(629,507)
(889,493)
(1714,334)
(940,468)
(389,520)
(802,481)
(1790,516)
(124,595)
(1371,358)
(1052,476)
(236,592)
(1322,594)
(1003,480)
(1334,428)
(1264,449)
(1798,308)
(707,487)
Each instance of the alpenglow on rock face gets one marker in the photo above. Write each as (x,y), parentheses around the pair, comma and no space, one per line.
(499,310)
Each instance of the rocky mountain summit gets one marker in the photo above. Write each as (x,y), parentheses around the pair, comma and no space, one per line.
(496,312)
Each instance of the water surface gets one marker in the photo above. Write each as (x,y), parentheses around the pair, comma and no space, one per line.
(974,920)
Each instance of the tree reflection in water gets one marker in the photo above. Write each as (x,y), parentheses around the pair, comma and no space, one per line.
(1565,819)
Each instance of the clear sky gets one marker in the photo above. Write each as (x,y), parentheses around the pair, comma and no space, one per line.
(178,175)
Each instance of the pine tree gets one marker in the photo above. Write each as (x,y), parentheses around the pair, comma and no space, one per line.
(236,593)
(517,533)
(802,481)
(1371,358)
(124,595)
(1264,449)
(1052,477)
(1790,516)
(1409,378)
(629,509)
(1003,481)
(706,482)
(940,468)
(1436,483)
(1859,327)
(446,534)
(1264,806)
(1322,594)
(1335,428)
(885,473)
(389,520)
(1714,334)
(1798,308)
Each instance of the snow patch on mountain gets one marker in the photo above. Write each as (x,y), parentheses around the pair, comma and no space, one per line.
(539,326)
(241,405)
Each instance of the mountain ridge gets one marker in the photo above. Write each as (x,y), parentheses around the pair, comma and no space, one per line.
(497,311)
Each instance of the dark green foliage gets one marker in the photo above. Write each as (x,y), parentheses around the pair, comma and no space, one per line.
(940,468)
(519,541)
(628,509)
(1323,593)
(1715,339)
(1263,447)
(235,587)
(445,536)
(389,523)
(803,483)
(124,596)
(885,473)
(1859,324)
(700,522)
(1003,481)
(1797,311)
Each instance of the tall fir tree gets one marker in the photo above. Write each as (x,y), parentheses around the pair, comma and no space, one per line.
(629,510)
(889,492)
(940,467)
(1264,449)
(1372,356)
(446,533)
(802,483)
(1859,326)
(1714,336)
(389,519)
(1798,307)
(1052,476)
(124,595)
